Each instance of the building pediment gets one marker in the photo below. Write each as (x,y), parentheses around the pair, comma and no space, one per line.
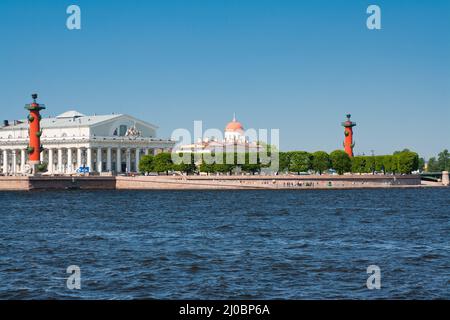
(74,124)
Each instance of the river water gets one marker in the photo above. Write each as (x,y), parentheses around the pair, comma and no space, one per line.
(225,244)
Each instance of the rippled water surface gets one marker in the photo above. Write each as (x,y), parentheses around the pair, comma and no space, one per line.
(226,245)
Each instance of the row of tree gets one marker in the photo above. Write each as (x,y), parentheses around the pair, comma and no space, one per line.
(403,162)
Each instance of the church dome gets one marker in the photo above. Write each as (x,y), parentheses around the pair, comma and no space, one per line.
(234,126)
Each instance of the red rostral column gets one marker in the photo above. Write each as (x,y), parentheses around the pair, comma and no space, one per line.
(34,119)
(348,142)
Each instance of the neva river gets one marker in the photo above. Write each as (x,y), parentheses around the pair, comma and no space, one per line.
(226,244)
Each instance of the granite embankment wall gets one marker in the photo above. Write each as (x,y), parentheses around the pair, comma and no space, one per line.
(76,182)
(266,182)
(205,182)
(14,183)
(57,183)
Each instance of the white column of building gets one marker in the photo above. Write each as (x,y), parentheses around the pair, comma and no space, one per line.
(60,168)
(108,160)
(50,161)
(128,155)
(5,161)
(23,160)
(14,161)
(69,161)
(89,159)
(99,160)
(118,161)
(138,153)
(79,158)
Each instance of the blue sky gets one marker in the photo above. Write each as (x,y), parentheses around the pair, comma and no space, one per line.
(298,66)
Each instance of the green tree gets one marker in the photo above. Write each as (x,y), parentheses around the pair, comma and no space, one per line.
(340,161)
(223,168)
(163,163)
(250,166)
(370,164)
(421,164)
(407,162)
(358,164)
(379,164)
(444,160)
(146,163)
(222,165)
(299,161)
(404,150)
(206,168)
(320,161)
(184,167)
(284,161)
(433,165)
(390,164)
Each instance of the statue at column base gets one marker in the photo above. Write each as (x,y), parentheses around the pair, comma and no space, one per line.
(32,168)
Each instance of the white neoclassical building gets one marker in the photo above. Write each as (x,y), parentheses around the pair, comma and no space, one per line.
(234,140)
(100,143)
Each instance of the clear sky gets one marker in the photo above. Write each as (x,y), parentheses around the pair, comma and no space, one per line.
(298,66)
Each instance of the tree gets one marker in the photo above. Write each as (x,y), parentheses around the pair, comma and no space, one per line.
(207,168)
(404,150)
(163,163)
(250,165)
(433,165)
(299,161)
(370,164)
(320,161)
(358,164)
(379,164)
(421,164)
(183,167)
(407,162)
(146,163)
(444,160)
(340,161)
(222,166)
(390,164)
(284,161)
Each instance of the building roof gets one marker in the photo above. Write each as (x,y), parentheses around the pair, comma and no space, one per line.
(70,114)
(66,122)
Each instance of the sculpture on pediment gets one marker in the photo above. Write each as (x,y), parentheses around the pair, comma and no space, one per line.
(133,132)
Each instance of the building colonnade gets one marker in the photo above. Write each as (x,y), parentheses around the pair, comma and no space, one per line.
(67,160)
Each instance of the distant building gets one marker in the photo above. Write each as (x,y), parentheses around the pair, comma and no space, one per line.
(234,140)
(99,143)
